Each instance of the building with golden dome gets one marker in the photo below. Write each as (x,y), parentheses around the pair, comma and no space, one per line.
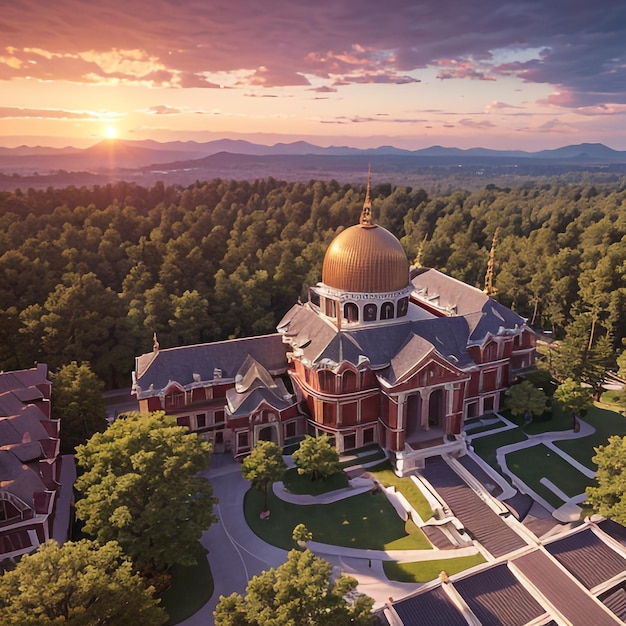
(381,353)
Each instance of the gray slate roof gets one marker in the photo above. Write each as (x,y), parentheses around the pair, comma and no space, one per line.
(393,349)
(562,592)
(483,314)
(497,598)
(588,558)
(185,364)
(433,608)
(479,519)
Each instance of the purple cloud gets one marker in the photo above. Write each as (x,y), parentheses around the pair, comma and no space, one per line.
(576,46)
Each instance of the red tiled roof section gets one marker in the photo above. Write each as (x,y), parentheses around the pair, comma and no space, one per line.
(562,592)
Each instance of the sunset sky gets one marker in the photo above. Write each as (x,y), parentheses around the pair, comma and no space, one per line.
(525,74)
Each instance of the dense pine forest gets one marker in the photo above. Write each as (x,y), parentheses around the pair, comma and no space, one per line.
(91,274)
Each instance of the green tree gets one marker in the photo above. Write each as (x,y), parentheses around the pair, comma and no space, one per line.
(301,535)
(298,593)
(609,497)
(80,584)
(264,466)
(140,487)
(77,402)
(317,458)
(574,398)
(526,400)
(575,357)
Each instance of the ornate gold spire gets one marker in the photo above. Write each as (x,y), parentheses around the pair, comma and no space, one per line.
(366,213)
(489,289)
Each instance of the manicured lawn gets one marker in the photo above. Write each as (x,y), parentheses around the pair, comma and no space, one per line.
(486,447)
(302,483)
(553,420)
(536,462)
(191,589)
(606,423)
(408,489)
(368,454)
(363,521)
(476,427)
(423,571)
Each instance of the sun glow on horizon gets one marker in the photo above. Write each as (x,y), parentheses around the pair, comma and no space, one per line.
(110,132)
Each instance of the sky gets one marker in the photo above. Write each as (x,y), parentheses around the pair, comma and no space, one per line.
(524,74)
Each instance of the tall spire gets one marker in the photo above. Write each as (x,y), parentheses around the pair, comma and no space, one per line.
(366,213)
(490,289)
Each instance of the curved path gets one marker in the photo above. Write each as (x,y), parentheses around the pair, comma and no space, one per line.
(236,553)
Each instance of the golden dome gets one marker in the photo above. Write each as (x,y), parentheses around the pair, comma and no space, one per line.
(365,258)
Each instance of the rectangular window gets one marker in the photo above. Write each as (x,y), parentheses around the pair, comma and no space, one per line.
(368,436)
(349,442)
(201,420)
(242,440)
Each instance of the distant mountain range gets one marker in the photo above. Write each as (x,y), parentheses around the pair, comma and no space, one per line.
(184,162)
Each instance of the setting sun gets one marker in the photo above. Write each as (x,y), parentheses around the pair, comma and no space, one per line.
(110,132)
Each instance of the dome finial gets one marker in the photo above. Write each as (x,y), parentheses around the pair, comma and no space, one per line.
(366,213)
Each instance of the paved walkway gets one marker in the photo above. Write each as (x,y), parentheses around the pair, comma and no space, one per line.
(236,553)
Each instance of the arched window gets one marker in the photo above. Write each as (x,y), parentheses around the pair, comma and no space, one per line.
(349,381)
(351,312)
(403,306)
(327,380)
(369,312)
(491,352)
(386,311)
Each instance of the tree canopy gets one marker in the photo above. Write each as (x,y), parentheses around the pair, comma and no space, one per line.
(609,497)
(524,399)
(316,457)
(77,402)
(80,584)
(140,487)
(91,274)
(264,466)
(298,593)
(574,397)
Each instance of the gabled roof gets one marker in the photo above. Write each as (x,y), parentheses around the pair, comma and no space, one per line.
(200,363)
(19,479)
(246,402)
(398,345)
(24,427)
(19,379)
(252,375)
(483,314)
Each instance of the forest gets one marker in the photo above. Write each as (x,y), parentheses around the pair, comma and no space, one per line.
(90,274)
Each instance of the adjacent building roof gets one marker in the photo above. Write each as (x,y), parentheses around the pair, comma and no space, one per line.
(433,608)
(562,591)
(496,597)
(588,558)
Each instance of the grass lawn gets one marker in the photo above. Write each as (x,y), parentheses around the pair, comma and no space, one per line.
(363,521)
(472,429)
(302,484)
(191,589)
(606,423)
(407,488)
(553,420)
(532,464)
(423,571)
(485,447)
